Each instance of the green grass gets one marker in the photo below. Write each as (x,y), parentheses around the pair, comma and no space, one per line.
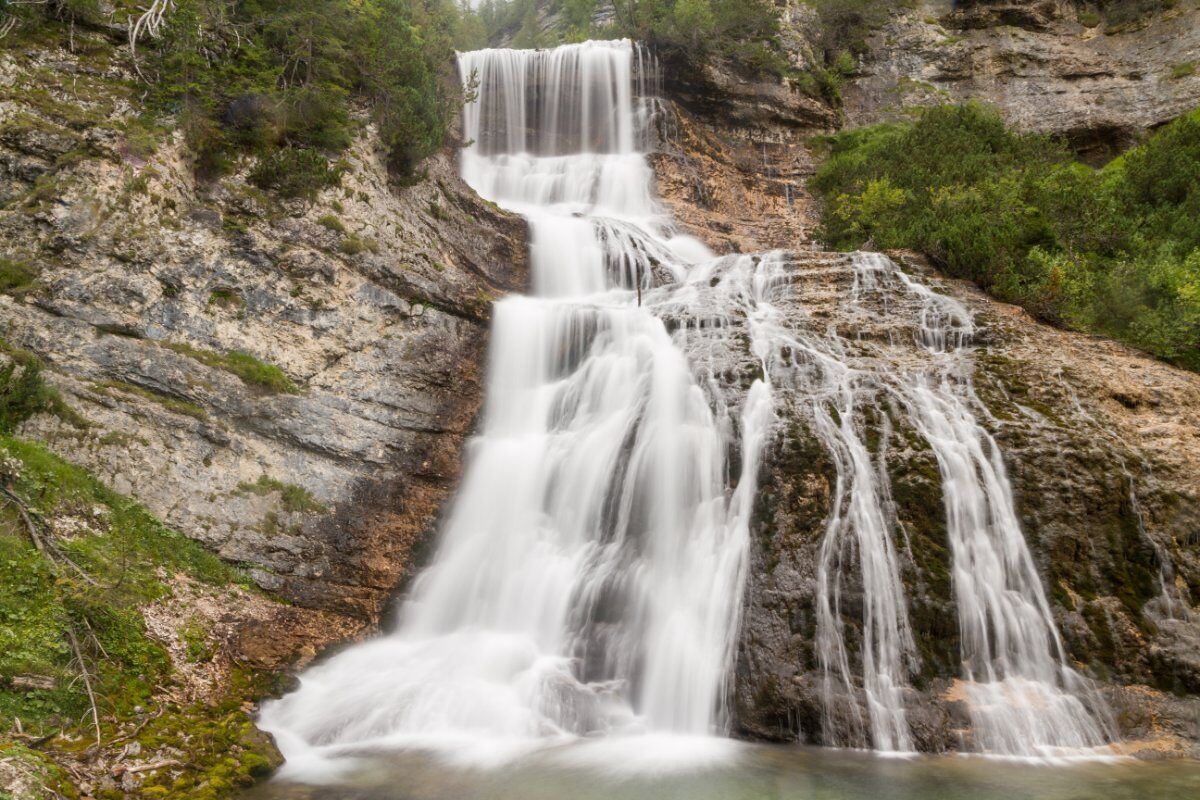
(226,298)
(17,277)
(331,222)
(175,405)
(354,244)
(126,554)
(1113,250)
(1184,70)
(293,498)
(252,371)
(124,551)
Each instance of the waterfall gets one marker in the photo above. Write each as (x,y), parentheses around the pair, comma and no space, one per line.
(589,577)
(1022,696)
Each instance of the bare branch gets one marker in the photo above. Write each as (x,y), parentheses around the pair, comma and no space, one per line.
(87,681)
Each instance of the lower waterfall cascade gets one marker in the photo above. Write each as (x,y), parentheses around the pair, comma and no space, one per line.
(589,577)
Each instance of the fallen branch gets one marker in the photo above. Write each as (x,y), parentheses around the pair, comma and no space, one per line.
(30,527)
(170,762)
(87,682)
(141,726)
(33,682)
(44,544)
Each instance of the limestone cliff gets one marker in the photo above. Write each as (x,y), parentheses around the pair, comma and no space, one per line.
(1050,65)
(288,382)
(1102,445)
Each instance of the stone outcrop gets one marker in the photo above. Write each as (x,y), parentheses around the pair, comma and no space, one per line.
(1049,65)
(288,382)
(1101,443)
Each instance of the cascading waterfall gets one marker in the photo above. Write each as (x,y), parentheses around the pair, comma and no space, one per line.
(1024,699)
(589,577)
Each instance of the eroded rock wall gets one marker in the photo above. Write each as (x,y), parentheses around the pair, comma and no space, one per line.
(372,301)
(1052,66)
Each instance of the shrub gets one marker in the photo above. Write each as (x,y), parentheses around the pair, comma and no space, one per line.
(276,80)
(1115,250)
(295,172)
(16,277)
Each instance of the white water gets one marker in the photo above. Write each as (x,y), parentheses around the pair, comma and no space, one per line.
(589,578)
(590,575)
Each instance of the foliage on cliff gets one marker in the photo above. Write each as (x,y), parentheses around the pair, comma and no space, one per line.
(278,79)
(742,30)
(81,676)
(1113,250)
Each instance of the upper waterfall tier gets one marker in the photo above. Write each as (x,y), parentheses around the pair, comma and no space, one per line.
(581,98)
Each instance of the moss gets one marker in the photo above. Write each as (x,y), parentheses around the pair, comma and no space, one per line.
(331,222)
(46,780)
(1184,70)
(353,244)
(225,751)
(917,495)
(176,405)
(293,498)
(252,371)
(17,278)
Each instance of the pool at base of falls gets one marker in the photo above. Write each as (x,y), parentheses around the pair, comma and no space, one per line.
(688,768)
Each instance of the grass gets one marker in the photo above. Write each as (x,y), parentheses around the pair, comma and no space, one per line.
(353,244)
(293,498)
(330,222)
(252,371)
(175,405)
(17,277)
(1184,70)
(126,554)
(226,298)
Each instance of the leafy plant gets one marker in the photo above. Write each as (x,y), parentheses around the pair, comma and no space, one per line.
(1114,250)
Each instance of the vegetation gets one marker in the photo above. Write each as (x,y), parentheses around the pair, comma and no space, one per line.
(245,366)
(16,277)
(279,80)
(293,498)
(78,667)
(1113,250)
(24,392)
(741,30)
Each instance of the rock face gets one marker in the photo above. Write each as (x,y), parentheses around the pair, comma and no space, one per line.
(1101,445)
(288,382)
(1050,65)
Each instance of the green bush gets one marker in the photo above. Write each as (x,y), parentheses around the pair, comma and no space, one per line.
(1114,250)
(277,78)
(24,391)
(295,172)
(16,277)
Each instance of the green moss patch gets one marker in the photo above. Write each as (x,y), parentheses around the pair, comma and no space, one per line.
(293,498)
(252,371)
(71,619)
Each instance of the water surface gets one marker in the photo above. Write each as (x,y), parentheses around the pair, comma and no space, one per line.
(682,769)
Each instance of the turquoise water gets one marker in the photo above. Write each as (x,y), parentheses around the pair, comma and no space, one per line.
(630,771)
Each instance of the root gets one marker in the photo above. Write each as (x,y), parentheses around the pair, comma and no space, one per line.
(151,24)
